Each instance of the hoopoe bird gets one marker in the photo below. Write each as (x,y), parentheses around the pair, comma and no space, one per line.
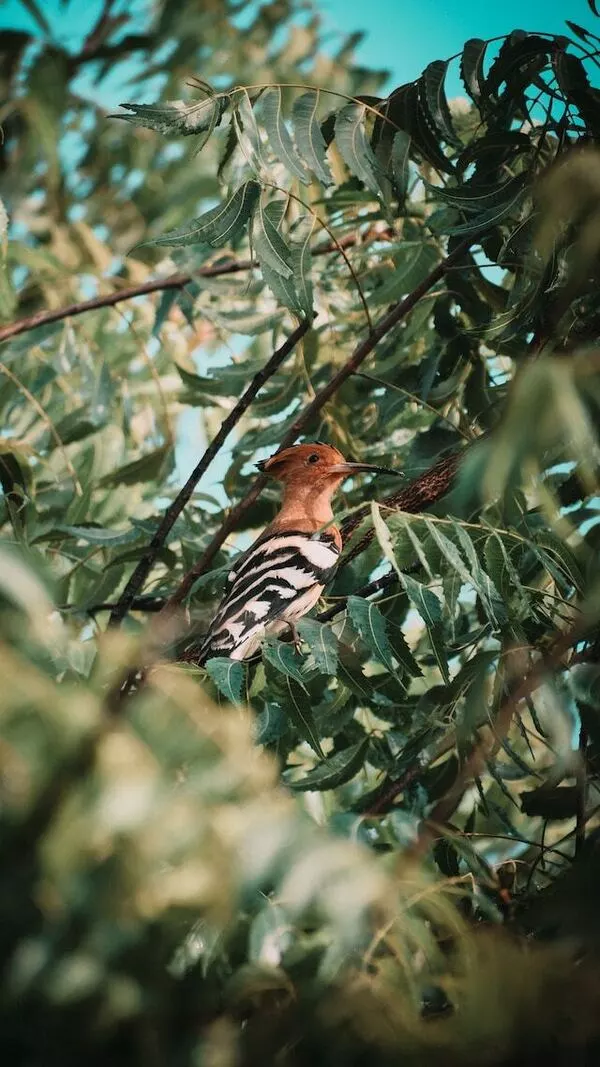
(282,575)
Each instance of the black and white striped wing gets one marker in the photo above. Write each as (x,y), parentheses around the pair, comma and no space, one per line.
(277,579)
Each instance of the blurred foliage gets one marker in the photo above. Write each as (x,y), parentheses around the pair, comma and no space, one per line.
(188,882)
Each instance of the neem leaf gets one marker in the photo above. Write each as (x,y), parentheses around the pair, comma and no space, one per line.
(270,247)
(429,608)
(296,702)
(284,659)
(228,676)
(302,266)
(177,116)
(283,289)
(475,576)
(279,136)
(248,135)
(473,198)
(354,147)
(423,599)
(322,643)
(309,139)
(219,225)
(434,77)
(145,469)
(96,535)
(400,161)
(371,626)
(334,771)
(471,66)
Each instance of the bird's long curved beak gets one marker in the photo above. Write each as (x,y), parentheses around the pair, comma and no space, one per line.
(356,468)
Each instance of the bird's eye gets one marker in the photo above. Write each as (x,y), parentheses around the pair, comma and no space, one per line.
(314,458)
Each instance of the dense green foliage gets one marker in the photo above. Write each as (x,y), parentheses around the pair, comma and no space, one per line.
(392,856)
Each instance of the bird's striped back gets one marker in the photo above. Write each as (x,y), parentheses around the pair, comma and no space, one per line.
(275,582)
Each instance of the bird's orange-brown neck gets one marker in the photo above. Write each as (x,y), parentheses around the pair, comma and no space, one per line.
(306,506)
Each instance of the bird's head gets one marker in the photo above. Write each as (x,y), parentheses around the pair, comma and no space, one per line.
(317,465)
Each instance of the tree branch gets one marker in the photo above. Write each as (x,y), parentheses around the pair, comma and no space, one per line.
(414,498)
(474,766)
(383,327)
(174,281)
(173,512)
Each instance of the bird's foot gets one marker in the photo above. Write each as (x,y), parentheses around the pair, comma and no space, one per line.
(296,639)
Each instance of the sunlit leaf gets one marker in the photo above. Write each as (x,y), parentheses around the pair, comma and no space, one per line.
(309,139)
(279,136)
(228,676)
(221,224)
(270,247)
(371,627)
(322,644)
(334,771)
(354,147)
(177,117)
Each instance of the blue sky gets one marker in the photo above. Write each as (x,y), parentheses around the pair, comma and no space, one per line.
(403,36)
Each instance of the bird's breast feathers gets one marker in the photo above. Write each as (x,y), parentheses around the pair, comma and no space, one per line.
(274,583)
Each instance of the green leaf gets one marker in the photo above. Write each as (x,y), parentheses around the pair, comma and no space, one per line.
(96,535)
(151,467)
(270,247)
(354,147)
(476,576)
(167,299)
(297,704)
(309,139)
(285,659)
(471,66)
(474,198)
(283,289)
(429,608)
(177,117)
(484,585)
(219,225)
(334,771)
(501,568)
(248,135)
(228,676)
(411,265)
(400,163)
(434,77)
(322,643)
(488,220)
(351,674)
(371,627)
(302,266)
(423,599)
(279,136)
(402,651)
(559,559)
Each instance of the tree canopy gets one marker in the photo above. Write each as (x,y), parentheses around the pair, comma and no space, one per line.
(382,845)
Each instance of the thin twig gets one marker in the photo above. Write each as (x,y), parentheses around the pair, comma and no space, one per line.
(174,281)
(174,510)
